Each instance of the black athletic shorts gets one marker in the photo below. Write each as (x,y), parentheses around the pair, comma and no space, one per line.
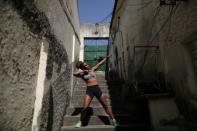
(94,91)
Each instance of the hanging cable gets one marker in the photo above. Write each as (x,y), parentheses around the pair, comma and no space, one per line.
(105,18)
(166,21)
(166,39)
(146,51)
(163,25)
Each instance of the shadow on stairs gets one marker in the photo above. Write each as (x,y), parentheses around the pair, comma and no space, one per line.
(132,114)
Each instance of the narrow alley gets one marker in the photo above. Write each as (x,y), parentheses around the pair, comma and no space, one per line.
(143,62)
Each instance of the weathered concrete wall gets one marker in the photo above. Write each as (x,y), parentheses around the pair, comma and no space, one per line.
(60,24)
(24,26)
(19,60)
(160,118)
(173,29)
(88,30)
(63,52)
(98,30)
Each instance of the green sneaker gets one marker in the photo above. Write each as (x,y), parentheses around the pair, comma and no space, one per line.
(115,123)
(78,125)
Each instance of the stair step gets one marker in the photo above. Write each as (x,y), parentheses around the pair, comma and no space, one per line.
(117,111)
(81,97)
(129,119)
(138,127)
(102,86)
(83,92)
(113,96)
(73,111)
(114,102)
(107,88)
(104,119)
(100,82)
(84,84)
(79,80)
(92,120)
(126,115)
(83,88)
(135,103)
(89,128)
(111,100)
(94,103)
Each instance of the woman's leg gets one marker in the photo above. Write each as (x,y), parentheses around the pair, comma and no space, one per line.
(86,103)
(108,110)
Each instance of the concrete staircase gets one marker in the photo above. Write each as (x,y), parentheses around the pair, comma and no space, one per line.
(131,114)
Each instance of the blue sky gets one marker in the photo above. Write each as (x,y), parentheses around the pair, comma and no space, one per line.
(94,11)
(94,42)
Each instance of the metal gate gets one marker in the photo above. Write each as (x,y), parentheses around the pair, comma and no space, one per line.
(94,49)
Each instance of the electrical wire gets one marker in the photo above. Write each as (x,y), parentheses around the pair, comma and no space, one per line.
(155,10)
(156,13)
(110,15)
(146,51)
(168,18)
(166,39)
(121,6)
(139,4)
(105,18)
(163,25)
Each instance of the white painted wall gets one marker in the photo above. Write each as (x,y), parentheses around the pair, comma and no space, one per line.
(40,85)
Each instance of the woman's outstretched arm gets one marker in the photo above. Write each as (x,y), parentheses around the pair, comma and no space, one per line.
(100,63)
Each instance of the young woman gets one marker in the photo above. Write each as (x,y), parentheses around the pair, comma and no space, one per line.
(88,75)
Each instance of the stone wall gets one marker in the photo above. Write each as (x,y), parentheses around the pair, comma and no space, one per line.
(19,60)
(24,26)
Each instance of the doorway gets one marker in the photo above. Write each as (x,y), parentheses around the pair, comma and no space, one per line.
(94,50)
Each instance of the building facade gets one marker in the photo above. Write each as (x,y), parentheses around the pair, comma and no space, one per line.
(156,41)
(39,46)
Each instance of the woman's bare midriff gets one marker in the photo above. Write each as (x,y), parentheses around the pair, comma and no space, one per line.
(91,82)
